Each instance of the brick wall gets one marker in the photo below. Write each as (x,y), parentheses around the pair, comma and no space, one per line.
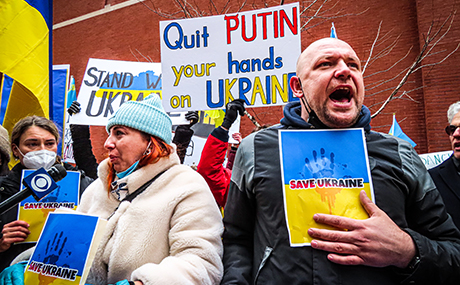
(132,33)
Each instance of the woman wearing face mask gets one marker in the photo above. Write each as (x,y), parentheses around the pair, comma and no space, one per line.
(34,141)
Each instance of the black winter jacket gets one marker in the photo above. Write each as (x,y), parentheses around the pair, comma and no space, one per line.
(256,240)
(9,186)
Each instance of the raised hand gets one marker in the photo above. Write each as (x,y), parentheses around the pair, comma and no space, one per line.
(237,137)
(74,108)
(193,117)
(232,109)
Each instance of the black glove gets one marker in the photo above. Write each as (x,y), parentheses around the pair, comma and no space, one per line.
(193,117)
(74,108)
(233,108)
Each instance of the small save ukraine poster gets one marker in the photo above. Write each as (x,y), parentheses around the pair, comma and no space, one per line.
(323,171)
(66,248)
(35,212)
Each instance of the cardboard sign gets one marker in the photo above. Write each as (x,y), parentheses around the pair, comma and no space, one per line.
(209,61)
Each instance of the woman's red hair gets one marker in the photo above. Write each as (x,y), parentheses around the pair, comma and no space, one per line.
(158,149)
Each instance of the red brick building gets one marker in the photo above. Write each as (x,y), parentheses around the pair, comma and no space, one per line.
(129,30)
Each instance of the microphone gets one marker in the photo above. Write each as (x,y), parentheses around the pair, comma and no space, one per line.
(38,184)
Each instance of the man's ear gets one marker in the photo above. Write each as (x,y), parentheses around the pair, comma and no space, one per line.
(296,87)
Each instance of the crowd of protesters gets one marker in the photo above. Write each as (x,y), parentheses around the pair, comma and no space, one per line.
(164,223)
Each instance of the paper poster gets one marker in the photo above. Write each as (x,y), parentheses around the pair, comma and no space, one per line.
(434,159)
(35,213)
(65,250)
(109,83)
(209,61)
(202,130)
(323,171)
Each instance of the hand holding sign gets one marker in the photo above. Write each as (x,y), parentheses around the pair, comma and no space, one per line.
(74,108)
(193,117)
(376,241)
(16,231)
(231,114)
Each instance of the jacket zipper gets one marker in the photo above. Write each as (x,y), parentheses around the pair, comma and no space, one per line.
(267,252)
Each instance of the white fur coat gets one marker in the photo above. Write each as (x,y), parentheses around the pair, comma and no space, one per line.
(169,234)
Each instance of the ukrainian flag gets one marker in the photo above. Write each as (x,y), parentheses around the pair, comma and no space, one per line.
(25,56)
(396,131)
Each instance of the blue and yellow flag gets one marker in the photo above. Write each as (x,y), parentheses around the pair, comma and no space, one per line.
(396,131)
(333,32)
(25,56)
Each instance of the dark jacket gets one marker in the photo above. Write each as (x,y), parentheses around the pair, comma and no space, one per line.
(447,180)
(10,185)
(256,241)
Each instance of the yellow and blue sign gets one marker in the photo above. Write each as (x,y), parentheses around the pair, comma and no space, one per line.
(323,171)
(35,213)
(63,250)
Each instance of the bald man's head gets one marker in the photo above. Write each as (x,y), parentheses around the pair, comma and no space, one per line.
(330,81)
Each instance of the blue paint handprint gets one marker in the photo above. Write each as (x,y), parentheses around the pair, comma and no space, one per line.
(323,166)
(54,250)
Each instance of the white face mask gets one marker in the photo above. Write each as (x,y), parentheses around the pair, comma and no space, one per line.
(39,158)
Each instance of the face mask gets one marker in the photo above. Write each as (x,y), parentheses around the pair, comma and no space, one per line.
(134,166)
(39,158)
(128,171)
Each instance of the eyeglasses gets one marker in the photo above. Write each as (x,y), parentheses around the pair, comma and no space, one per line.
(450,130)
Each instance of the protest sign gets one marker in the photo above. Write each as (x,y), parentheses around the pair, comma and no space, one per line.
(434,159)
(202,129)
(35,213)
(66,249)
(209,61)
(320,175)
(109,83)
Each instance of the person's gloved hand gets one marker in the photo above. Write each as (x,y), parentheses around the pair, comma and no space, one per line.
(233,108)
(13,275)
(193,117)
(74,108)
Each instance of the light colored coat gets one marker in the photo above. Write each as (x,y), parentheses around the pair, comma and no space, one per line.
(169,234)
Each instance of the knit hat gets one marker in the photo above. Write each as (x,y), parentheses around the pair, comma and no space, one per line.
(4,144)
(147,116)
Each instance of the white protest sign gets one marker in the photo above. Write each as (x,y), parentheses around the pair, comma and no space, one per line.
(435,158)
(202,130)
(109,83)
(209,61)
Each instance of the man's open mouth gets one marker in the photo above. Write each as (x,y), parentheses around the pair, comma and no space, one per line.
(342,95)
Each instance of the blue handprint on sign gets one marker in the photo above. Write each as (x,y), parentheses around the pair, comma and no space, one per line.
(65,240)
(53,253)
(323,166)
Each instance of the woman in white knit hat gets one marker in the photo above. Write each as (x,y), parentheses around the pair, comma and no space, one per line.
(170,232)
